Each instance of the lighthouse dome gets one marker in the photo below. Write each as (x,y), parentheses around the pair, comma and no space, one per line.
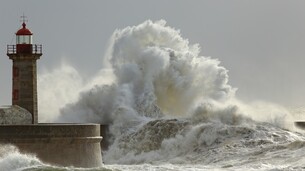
(24,30)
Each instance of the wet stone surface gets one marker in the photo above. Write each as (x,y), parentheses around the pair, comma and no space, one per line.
(14,115)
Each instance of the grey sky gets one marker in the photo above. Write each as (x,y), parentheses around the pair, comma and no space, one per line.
(261,43)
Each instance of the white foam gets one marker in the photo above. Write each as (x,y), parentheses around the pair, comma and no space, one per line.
(11,159)
(153,76)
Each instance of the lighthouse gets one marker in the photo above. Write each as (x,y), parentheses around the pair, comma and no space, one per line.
(74,144)
(24,55)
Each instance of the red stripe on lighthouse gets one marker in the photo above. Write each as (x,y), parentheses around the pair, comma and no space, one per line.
(15,94)
(15,72)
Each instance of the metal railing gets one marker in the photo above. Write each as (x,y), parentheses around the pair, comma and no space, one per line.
(11,49)
(35,49)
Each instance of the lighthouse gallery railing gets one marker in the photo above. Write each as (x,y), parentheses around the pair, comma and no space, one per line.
(36,49)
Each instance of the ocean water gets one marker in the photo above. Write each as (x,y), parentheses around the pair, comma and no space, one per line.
(179,145)
(169,108)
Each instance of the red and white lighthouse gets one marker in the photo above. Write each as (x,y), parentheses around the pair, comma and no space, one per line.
(24,55)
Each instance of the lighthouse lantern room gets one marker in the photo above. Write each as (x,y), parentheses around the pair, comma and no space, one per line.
(24,40)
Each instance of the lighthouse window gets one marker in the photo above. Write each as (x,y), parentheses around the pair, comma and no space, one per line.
(26,39)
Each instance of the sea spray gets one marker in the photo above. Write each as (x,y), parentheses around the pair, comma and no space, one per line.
(156,72)
(166,103)
(56,89)
(12,159)
(62,86)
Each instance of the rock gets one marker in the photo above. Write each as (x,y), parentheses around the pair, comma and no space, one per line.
(12,115)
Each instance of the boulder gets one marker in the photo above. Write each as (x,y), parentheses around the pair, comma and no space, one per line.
(14,115)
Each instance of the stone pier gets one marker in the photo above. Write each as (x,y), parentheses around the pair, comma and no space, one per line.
(57,144)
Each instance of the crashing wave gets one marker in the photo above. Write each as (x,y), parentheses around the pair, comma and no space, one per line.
(167,103)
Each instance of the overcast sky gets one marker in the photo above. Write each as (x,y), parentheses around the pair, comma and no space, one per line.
(261,43)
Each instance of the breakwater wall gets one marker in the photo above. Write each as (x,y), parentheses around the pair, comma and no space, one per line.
(58,144)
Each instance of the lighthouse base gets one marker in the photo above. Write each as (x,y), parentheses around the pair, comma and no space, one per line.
(57,144)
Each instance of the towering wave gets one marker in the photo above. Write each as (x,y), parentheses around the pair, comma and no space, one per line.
(164,101)
(156,73)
